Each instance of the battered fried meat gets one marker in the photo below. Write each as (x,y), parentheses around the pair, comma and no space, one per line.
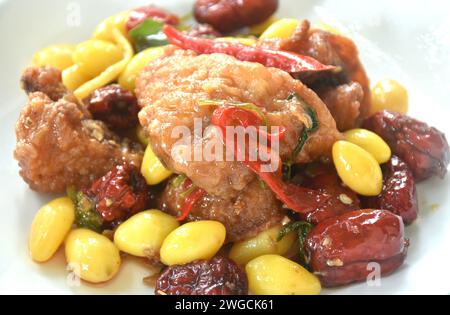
(169,91)
(170,88)
(334,88)
(255,209)
(58,144)
(45,80)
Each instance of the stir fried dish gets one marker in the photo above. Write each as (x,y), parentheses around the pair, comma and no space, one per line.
(231,150)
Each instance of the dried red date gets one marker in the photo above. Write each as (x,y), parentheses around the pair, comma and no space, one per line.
(399,193)
(230,15)
(115,106)
(423,148)
(341,248)
(119,194)
(325,179)
(139,15)
(218,276)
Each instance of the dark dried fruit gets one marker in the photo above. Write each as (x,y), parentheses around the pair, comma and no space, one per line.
(139,15)
(119,194)
(230,15)
(423,148)
(203,30)
(340,249)
(399,193)
(218,276)
(324,178)
(115,106)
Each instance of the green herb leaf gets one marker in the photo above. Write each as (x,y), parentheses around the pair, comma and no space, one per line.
(85,214)
(306,132)
(188,191)
(287,171)
(178,180)
(262,184)
(72,193)
(148,34)
(303,228)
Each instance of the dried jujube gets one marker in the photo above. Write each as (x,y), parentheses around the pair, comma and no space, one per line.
(340,249)
(217,276)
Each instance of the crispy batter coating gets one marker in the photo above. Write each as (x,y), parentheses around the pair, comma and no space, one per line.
(254,210)
(45,80)
(169,91)
(344,102)
(58,144)
(347,93)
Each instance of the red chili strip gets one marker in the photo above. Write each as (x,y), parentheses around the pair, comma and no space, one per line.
(297,198)
(190,200)
(252,120)
(284,60)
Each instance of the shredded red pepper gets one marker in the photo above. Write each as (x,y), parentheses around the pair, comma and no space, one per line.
(253,120)
(297,198)
(284,60)
(189,201)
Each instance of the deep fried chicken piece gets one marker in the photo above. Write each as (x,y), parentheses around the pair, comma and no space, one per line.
(170,88)
(347,92)
(58,144)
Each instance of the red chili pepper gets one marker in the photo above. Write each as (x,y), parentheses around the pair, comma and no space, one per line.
(297,198)
(287,61)
(189,201)
(232,116)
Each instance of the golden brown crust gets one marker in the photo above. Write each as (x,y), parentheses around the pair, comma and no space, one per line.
(254,210)
(337,50)
(58,144)
(46,80)
(169,91)
(344,103)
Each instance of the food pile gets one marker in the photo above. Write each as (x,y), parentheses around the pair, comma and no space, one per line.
(99,127)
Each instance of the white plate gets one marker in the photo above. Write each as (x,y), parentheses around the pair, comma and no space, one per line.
(405,40)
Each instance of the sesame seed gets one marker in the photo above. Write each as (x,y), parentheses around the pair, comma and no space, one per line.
(336,262)
(326,241)
(346,200)
(108,202)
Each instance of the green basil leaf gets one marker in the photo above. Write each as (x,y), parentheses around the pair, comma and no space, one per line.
(178,180)
(85,214)
(287,170)
(148,34)
(187,192)
(287,228)
(303,228)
